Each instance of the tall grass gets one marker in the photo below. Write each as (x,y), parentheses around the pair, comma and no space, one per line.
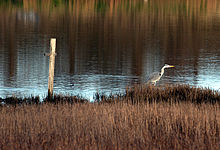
(110,126)
(131,121)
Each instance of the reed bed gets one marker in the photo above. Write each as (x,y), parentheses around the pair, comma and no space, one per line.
(145,117)
(165,93)
(110,126)
(133,94)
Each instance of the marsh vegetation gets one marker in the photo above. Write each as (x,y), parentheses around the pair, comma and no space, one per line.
(143,118)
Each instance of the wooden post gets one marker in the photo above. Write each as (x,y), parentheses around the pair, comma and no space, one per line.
(51,67)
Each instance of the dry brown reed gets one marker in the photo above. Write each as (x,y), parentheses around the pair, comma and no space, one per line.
(121,125)
(164,93)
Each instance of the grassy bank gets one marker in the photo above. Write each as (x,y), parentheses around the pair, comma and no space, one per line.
(134,95)
(179,117)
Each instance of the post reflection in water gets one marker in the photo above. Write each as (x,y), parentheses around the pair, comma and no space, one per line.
(105,46)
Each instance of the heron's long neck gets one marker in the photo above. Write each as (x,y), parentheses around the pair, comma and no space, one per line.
(162,71)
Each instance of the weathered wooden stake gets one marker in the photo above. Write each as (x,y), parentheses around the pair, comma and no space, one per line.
(51,67)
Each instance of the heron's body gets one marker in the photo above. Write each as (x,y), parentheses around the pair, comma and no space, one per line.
(155,76)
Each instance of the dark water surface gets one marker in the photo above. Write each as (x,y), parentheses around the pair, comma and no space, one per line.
(106,45)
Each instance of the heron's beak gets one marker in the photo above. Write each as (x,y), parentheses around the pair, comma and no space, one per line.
(172,66)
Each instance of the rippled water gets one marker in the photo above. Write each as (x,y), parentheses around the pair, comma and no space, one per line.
(104,46)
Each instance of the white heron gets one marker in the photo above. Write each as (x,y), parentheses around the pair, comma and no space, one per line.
(155,76)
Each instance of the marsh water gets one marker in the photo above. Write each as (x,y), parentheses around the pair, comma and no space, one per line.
(106,45)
